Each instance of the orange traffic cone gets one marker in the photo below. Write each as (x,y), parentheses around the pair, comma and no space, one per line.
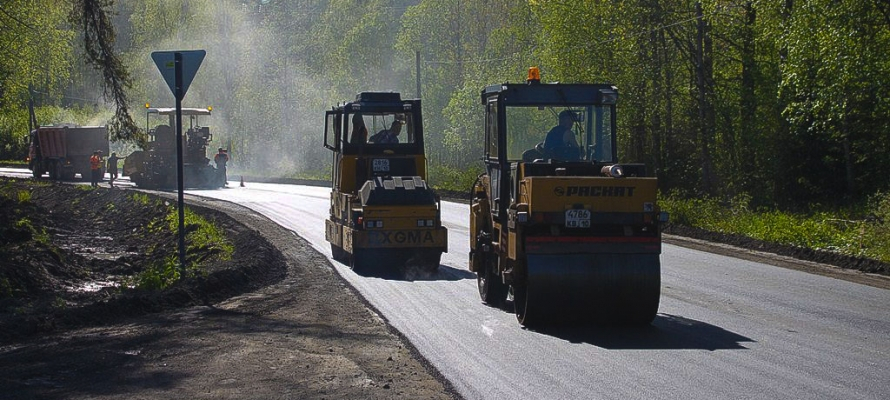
(242,180)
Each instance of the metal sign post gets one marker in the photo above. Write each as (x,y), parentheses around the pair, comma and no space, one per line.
(179,68)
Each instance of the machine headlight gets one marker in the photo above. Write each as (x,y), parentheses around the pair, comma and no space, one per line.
(420,223)
(429,222)
(373,224)
(614,171)
(608,96)
(522,217)
(664,216)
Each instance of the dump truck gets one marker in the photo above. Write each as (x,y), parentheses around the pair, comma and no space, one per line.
(383,213)
(154,167)
(555,220)
(64,151)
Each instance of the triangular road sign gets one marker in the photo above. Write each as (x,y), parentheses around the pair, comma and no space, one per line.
(166,62)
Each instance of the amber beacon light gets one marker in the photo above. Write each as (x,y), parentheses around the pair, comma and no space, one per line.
(534,75)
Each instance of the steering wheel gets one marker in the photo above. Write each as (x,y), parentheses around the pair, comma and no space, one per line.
(561,153)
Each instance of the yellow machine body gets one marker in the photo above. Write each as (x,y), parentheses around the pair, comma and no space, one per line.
(573,235)
(382,213)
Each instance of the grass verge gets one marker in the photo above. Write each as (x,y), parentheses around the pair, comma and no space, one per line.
(861,232)
(202,237)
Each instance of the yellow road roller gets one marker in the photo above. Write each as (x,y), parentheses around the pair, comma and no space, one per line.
(383,214)
(555,220)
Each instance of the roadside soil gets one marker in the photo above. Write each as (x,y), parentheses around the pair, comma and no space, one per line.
(274,321)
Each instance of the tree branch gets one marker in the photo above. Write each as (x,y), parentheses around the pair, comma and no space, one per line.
(98,40)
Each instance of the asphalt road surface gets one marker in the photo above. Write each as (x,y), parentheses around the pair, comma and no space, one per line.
(726,328)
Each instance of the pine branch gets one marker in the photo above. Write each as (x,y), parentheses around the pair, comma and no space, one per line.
(93,16)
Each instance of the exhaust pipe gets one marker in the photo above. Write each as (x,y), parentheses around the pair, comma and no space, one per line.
(614,171)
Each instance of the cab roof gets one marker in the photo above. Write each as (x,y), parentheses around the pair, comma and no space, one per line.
(185,111)
(567,94)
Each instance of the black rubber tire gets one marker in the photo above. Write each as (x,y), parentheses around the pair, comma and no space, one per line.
(136,178)
(55,170)
(338,254)
(492,289)
(432,260)
(520,305)
(358,260)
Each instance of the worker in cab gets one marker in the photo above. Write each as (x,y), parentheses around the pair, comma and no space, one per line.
(560,142)
(388,136)
(359,131)
(96,168)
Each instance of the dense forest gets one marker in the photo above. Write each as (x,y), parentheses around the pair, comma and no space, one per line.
(784,102)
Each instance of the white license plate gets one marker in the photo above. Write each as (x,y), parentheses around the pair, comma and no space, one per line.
(577,218)
(381,165)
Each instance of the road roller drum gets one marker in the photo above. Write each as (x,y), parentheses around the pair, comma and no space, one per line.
(589,288)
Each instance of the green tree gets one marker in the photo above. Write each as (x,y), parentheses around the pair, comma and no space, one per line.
(835,80)
(35,60)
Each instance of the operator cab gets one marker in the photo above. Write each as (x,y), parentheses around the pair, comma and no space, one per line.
(536,122)
(193,131)
(578,118)
(375,123)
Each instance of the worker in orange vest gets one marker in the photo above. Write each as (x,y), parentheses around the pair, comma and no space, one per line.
(96,168)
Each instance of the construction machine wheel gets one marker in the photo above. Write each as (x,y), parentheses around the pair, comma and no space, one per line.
(520,304)
(434,259)
(359,260)
(588,288)
(137,180)
(372,261)
(338,254)
(55,170)
(492,289)
(427,260)
(68,174)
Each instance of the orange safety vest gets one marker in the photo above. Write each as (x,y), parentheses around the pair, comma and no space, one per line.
(95,162)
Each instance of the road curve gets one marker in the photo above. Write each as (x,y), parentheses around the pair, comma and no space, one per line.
(726,328)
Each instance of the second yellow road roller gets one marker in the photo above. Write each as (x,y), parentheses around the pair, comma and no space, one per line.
(555,220)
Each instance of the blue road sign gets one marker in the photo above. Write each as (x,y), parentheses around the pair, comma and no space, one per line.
(166,62)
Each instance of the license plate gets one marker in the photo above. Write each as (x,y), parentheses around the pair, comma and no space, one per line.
(577,218)
(381,165)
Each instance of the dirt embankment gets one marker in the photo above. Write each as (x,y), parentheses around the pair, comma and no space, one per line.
(272,321)
(68,253)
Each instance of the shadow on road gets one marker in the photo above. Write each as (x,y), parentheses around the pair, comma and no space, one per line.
(667,332)
(411,274)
